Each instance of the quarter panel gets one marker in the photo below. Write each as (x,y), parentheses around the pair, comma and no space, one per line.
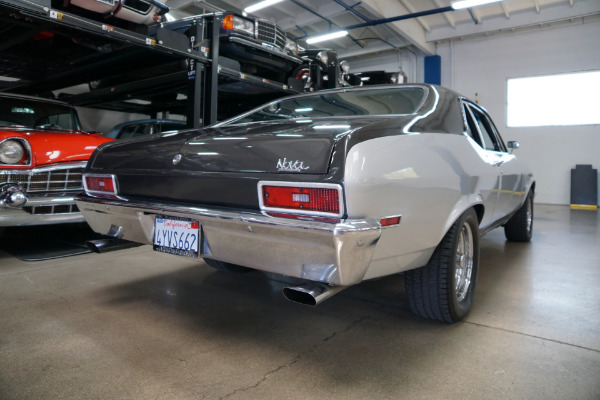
(428,179)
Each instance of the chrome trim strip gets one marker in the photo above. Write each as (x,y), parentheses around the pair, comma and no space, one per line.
(50,168)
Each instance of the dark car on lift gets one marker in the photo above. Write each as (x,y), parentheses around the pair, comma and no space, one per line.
(321,69)
(380,77)
(260,46)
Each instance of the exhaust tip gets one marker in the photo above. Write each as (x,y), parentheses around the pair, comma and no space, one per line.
(106,245)
(311,294)
(299,295)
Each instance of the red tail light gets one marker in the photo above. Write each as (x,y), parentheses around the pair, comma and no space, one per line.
(301,198)
(100,185)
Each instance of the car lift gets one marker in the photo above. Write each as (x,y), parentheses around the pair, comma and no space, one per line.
(199,48)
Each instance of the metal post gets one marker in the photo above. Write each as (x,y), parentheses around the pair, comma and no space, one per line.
(195,78)
(211,78)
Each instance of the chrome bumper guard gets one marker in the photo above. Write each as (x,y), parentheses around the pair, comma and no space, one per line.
(336,254)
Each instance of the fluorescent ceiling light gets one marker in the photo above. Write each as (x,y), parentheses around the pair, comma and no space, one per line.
(459,5)
(328,36)
(261,5)
(306,109)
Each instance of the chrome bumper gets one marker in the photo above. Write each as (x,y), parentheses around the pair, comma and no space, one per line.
(20,217)
(336,254)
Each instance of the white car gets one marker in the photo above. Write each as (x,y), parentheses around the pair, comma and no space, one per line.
(332,187)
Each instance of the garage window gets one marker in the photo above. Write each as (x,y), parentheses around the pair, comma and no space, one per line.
(554,100)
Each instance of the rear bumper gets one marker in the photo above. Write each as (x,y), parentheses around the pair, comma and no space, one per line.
(336,254)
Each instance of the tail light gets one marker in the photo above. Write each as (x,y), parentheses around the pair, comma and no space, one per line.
(314,201)
(100,185)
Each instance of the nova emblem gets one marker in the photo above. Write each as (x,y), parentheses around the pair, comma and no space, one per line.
(176,159)
(290,166)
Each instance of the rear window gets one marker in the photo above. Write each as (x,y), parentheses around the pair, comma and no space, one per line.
(388,101)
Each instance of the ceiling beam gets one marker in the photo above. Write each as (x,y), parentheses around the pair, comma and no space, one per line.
(409,29)
(448,16)
(517,20)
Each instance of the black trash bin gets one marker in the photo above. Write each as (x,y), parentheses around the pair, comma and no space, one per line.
(584,187)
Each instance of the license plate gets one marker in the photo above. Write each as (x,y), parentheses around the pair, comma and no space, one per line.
(174,235)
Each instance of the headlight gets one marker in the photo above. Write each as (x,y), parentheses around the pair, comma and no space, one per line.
(323,57)
(345,66)
(244,25)
(11,152)
(291,46)
(234,23)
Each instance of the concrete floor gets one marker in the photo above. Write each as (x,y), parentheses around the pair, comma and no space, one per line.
(135,324)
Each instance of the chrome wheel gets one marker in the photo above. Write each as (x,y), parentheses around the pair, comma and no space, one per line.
(464,262)
(529,217)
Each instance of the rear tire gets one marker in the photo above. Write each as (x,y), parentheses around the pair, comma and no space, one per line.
(227,267)
(443,289)
(519,227)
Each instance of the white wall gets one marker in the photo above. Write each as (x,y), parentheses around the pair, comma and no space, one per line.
(481,66)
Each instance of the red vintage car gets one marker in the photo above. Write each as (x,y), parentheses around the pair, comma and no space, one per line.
(42,153)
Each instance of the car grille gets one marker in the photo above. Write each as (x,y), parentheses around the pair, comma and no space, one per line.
(58,209)
(53,180)
(271,34)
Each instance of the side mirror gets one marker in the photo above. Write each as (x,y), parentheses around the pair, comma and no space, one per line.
(512,145)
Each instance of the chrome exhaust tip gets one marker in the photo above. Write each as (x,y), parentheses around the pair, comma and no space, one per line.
(311,294)
(106,245)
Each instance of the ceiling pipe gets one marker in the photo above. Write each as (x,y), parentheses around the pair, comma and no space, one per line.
(400,18)
(323,18)
(352,10)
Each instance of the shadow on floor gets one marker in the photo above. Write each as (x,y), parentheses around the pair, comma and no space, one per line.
(37,243)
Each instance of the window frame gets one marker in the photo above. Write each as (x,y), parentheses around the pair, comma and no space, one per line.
(469,121)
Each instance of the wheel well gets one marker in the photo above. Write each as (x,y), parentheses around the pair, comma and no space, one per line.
(479,210)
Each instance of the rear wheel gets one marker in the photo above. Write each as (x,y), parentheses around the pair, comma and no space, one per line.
(227,267)
(519,227)
(443,289)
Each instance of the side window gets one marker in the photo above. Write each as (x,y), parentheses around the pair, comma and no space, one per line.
(488,136)
(471,128)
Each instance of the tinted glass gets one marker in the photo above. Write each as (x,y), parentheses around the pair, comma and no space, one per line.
(487,133)
(39,115)
(350,103)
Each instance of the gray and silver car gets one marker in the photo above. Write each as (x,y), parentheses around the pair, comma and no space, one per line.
(332,187)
